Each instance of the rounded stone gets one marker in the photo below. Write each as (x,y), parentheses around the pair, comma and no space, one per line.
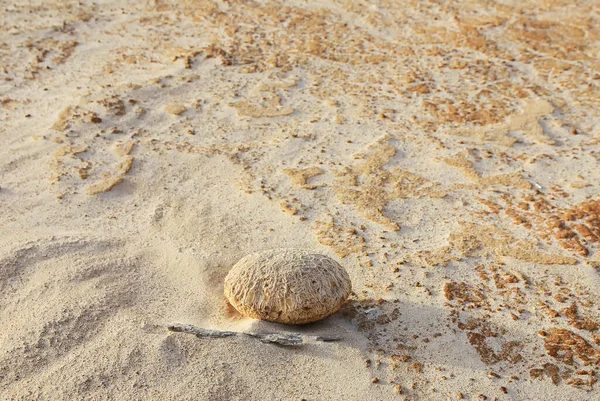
(292,286)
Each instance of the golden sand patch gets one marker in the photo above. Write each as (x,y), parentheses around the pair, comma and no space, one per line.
(465,165)
(175,109)
(300,176)
(368,186)
(268,106)
(344,240)
(477,240)
(526,121)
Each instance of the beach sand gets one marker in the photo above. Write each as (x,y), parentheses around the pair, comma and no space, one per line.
(445,153)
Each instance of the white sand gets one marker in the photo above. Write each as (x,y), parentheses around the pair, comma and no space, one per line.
(446,154)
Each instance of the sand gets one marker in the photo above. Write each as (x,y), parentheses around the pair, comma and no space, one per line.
(445,153)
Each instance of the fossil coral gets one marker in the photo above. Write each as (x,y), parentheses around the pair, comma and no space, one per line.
(289,286)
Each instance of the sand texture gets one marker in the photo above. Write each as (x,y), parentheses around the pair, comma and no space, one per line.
(446,153)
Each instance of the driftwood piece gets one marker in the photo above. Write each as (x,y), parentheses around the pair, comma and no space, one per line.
(281,339)
(198,332)
(288,339)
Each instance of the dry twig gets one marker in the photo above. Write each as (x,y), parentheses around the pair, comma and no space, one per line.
(274,338)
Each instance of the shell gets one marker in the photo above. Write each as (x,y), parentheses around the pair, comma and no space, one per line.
(291,286)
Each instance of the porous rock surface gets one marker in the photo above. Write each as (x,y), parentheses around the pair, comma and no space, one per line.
(291,286)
